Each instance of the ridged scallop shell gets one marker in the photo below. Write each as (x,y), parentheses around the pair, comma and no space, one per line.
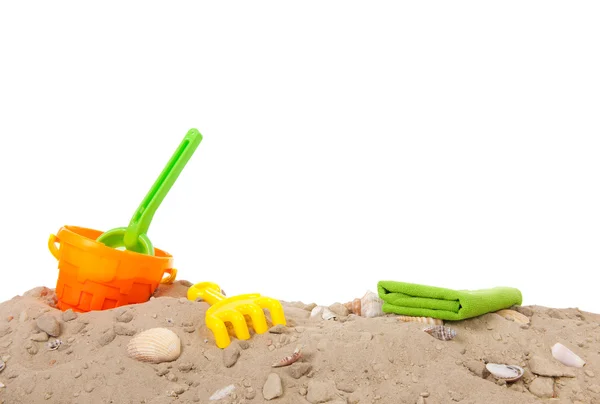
(510,373)
(424,320)
(513,316)
(567,357)
(441,332)
(155,345)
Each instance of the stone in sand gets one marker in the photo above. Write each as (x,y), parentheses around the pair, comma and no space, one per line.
(321,391)
(244,344)
(478,368)
(544,367)
(39,337)
(299,369)
(124,329)
(272,387)
(48,324)
(231,354)
(339,309)
(542,387)
(107,337)
(125,316)
(278,329)
(69,315)
(249,393)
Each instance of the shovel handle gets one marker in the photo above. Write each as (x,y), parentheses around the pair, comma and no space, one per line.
(140,222)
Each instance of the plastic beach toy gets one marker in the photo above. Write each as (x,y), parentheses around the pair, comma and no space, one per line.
(233,310)
(134,237)
(93,276)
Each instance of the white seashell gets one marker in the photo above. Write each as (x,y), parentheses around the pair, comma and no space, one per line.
(222,393)
(371,305)
(53,345)
(322,312)
(510,373)
(155,345)
(328,314)
(424,320)
(316,312)
(567,357)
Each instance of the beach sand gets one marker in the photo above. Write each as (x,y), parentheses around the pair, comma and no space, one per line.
(349,359)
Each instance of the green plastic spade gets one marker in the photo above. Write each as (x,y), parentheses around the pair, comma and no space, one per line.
(134,237)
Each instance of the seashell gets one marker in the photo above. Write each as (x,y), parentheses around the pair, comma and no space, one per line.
(509,373)
(2,365)
(222,393)
(567,357)
(322,312)
(288,360)
(53,345)
(441,332)
(371,305)
(513,315)
(354,306)
(425,320)
(328,314)
(155,345)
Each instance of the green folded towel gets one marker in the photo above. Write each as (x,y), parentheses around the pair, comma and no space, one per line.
(410,299)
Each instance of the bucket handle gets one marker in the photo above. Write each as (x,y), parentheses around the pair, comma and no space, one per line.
(54,250)
(169,279)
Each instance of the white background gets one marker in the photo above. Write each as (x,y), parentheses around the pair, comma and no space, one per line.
(453,144)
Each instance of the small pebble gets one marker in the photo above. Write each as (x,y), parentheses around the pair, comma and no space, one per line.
(249,393)
(70,340)
(183,300)
(246,383)
(185,367)
(425,394)
(497,336)
(107,337)
(125,317)
(31,348)
(189,329)
(303,391)
(244,344)
(48,396)
(271,348)
(278,329)
(154,316)
(231,354)
(124,329)
(48,324)
(77,374)
(179,389)
(89,387)
(589,373)
(40,337)
(69,315)
(171,377)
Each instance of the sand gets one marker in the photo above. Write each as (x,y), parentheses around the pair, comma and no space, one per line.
(349,359)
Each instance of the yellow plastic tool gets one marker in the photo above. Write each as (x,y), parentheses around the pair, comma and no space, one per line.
(233,310)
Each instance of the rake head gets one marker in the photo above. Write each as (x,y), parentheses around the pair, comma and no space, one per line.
(234,310)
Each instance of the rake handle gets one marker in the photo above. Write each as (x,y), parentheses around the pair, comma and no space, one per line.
(208,291)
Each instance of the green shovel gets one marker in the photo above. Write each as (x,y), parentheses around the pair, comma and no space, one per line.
(134,237)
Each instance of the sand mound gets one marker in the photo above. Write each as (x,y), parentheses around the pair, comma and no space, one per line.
(348,360)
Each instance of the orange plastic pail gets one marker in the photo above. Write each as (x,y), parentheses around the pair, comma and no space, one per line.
(92,276)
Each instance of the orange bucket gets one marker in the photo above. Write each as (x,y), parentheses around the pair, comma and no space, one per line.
(93,276)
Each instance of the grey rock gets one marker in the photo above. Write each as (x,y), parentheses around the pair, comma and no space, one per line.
(231,354)
(69,315)
(49,324)
(542,387)
(321,391)
(124,329)
(244,344)
(39,337)
(272,387)
(299,369)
